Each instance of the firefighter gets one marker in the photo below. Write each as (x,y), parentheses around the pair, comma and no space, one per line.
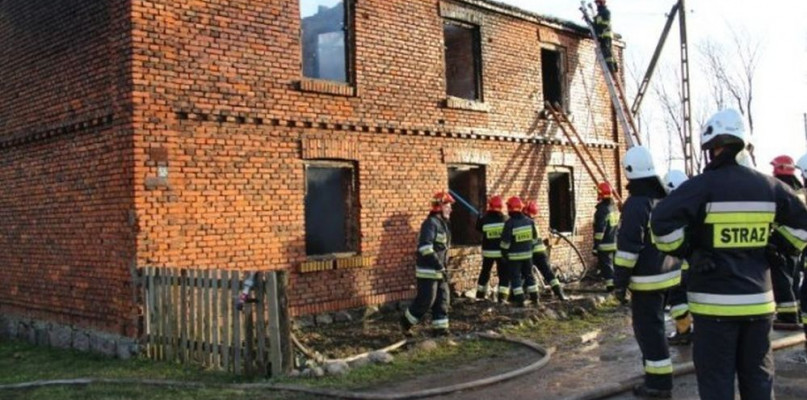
(540,260)
(606,219)
(784,266)
(602,27)
(434,241)
(679,308)
(802,165)
(491,225)
(517,246)
(720,222)
(641,268)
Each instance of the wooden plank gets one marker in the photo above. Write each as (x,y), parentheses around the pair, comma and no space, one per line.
(183,315)
(287,349)
(161,285)
(192,315)
(225,317)
(170,313)
(152,312)
(249,337)
(199,316)
(206,339)
(214,340)
(260,332)
(275,346)
(234,283)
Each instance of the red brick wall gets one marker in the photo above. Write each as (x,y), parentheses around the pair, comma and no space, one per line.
(66,242)
(218,104)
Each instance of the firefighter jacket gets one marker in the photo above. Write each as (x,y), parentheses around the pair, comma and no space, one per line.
(518,237)
(640,266)
(539,256)
(491,224)
(606,219)
(602,22)
(433,243)
(728,212)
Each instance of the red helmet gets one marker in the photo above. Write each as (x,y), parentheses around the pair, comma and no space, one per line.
(604,190)
(531,209)
(439,199)
(784,166)
(514,204)
(495,203)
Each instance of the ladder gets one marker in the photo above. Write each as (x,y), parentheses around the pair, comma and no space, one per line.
(563,121)
(614,87)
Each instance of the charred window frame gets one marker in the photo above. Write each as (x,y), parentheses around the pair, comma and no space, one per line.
(463,60)
(468,181)
(327,39)
(561,200)
(553,76)
(331,208)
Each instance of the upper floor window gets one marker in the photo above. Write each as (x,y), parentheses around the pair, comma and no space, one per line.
(325,32)
(553,73)
(463,60)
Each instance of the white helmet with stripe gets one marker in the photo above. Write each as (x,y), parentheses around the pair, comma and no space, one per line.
(674,179)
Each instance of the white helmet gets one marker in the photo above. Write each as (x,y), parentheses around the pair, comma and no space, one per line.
(674,179)
(802,165)
(638,163)
(726,126)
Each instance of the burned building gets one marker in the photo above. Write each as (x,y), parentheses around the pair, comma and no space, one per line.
(303,135)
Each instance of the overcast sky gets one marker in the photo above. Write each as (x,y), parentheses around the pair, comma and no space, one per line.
(781,79)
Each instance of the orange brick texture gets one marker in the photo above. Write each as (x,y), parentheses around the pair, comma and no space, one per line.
(205,169)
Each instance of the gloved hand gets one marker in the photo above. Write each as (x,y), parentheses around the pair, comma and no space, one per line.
(621,294)
(774,256)
(594,252)
(702,262)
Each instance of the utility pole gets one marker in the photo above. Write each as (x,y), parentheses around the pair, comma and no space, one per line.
(805,125)
(686,126)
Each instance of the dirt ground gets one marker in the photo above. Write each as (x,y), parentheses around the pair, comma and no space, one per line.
(381,328)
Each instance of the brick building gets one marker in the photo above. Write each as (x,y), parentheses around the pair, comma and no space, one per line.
(304,135)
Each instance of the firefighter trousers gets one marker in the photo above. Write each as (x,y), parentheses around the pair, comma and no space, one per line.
(648,328)
(514,268)
(605,262)
(530,283)
(723,348)
(546,272)
(432,294)
(484,275)
(783,277)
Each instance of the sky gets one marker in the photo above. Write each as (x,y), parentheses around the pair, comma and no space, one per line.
(781,78)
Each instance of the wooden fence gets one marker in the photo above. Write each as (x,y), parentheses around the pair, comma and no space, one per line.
(190,316)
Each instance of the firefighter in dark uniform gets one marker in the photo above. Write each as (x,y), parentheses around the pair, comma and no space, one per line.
(802,165)
(679,308)
(517,243)
(785,267)
(720,221)
(434,241)
(602,27)
(540,260)
(646,271)
(606,219)
(491,225)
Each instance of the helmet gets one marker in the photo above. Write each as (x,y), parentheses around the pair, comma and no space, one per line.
(604,190)
(802,165)
(495,203)
(514,204)
(638,163)
(674,179)
(439,199)
(784,166)
(531,209)
(725,127)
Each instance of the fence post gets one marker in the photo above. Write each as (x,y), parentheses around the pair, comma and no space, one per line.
(279,328)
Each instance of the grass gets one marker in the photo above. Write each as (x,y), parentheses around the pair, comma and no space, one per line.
(566,333)
(412,364)
(21,362)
